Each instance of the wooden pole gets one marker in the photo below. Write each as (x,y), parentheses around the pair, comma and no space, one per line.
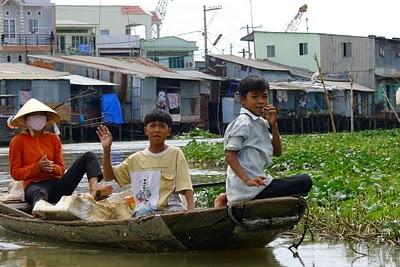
(351,104)
(390,105)
(330,109)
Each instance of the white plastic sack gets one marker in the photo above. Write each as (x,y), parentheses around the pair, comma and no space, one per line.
(15,192)
(83,207)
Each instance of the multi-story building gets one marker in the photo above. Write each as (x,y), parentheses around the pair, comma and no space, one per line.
(172,52)
(101,30)
(372,61)
(26,27)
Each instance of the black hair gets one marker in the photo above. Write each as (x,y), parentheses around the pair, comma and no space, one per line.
(252,83)
(158,115)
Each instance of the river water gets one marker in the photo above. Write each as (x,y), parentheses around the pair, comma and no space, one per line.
(21,250)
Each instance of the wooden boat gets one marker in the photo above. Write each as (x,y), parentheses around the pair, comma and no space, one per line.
(247,225)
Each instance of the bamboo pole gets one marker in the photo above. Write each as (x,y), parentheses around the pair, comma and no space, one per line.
(351,104)
(390,105)
(330,109)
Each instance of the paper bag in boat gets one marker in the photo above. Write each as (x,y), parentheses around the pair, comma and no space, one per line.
(14,193)
(83,207)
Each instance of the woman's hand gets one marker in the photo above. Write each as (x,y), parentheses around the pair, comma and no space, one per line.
(46,165)
(270,114)
(105,136)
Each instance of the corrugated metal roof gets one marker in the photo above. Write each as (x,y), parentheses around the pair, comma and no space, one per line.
(138,66)
(309,86)
(266,65)
(387,72)
(201,75)
(18,71)
(346,85)
(80,80)
(262,65)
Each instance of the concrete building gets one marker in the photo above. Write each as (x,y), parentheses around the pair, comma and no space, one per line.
(26,27)
(172,52)
(372,61)
(106,30)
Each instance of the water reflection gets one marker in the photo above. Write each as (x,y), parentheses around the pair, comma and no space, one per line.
(57,257)
(19,250)
(336,254)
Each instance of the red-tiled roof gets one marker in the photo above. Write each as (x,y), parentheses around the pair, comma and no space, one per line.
(132,10)
(155,16)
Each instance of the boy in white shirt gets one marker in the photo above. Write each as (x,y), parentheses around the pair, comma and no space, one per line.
(158,174)
(249,148)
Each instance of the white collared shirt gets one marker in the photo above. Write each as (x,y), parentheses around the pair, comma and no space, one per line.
(248,134)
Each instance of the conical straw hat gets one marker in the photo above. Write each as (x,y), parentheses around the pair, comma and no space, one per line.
(34,105)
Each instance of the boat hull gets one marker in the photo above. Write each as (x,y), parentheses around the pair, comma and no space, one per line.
(253,224)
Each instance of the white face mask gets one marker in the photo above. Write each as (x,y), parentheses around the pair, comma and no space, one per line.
(36,122)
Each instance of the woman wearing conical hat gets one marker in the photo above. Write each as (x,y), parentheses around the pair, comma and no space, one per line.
(35,157)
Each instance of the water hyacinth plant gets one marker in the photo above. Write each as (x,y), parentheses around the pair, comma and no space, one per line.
(356,180)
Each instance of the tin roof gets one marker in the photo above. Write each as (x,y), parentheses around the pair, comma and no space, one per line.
(310,86)
(141,67)
(80,80)
(201,75)
(18,71)
(265,65)
(257,64)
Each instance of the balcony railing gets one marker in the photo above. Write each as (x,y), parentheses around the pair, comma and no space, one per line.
(26,39)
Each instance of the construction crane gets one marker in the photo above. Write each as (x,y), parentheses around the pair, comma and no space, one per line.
(292,26)
(160,12)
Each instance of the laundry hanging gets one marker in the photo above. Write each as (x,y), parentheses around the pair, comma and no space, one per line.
(173,100)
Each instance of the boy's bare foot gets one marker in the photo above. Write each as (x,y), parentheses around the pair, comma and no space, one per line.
(221,200)
(101,192)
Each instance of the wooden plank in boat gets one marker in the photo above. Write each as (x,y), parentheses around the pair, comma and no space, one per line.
(8,209)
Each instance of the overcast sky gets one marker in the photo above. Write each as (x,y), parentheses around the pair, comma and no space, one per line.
(349,17)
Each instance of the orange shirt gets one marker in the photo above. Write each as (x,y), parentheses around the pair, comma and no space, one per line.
(25,152)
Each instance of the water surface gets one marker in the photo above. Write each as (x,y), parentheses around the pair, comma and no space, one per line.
(21,250)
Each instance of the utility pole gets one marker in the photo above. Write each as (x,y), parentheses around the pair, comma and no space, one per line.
(205,30)
(248,42)
(243,52)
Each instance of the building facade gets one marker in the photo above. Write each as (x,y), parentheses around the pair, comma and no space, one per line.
(26,27)
(101,30)
(172,52)
(296,93)
(371,61)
